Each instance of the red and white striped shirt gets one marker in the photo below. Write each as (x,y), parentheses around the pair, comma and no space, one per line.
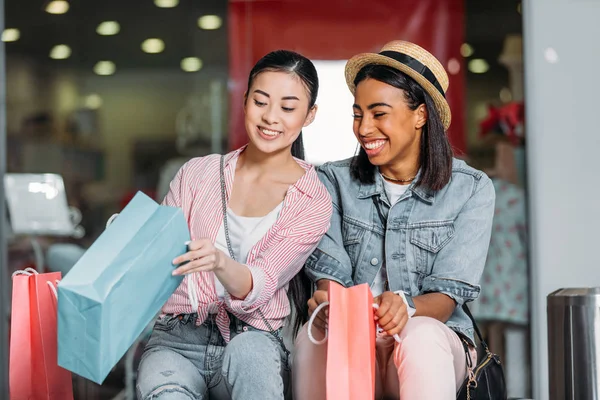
(273,261)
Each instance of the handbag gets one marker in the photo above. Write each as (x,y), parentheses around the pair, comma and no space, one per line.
(485,381)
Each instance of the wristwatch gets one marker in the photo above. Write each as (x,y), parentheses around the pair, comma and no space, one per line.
(408,300)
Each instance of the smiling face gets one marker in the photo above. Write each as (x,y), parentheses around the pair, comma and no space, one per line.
(276,110)
(387,129)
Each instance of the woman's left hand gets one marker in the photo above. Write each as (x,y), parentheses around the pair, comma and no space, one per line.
(392,314)
(202,256)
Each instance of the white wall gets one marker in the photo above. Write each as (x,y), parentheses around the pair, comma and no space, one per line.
(330,136)
(562,55)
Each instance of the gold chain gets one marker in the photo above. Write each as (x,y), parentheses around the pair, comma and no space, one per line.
(398,180)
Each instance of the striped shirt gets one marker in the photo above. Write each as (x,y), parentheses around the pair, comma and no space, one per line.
(273,261)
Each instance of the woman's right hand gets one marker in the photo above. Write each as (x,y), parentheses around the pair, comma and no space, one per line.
(319,297)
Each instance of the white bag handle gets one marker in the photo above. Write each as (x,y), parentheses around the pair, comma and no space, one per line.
(111,219)
(312,320)
(30,271)
(379,329)
(53,288)
(27,271)
(325,304)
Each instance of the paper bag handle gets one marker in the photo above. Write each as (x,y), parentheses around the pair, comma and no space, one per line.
(314,315)
(54,292)
(111,219)
(312,320)
(27,271)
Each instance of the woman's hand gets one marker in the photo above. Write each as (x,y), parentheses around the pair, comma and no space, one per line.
(321,319)
(392,314)
(202,256)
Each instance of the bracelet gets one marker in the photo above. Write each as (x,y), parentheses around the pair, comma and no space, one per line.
(410,305)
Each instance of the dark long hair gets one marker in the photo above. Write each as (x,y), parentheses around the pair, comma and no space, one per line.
(435,153)
(293,63)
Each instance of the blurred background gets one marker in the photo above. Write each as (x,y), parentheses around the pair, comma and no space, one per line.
(115,96)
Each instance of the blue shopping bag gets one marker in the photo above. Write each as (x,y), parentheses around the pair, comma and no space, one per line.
(118,286)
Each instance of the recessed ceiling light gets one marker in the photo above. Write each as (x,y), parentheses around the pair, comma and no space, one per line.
(93,101)
(153,46)
(60,52)
(466,50)
(210,22)
(191,64)
(166,3)
(478,66)
(105,68)
(108,28)
(57,7)
(11,35)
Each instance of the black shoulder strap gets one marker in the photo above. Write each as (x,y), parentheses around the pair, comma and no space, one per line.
(477,331)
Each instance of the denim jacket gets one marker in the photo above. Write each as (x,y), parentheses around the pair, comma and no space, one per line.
(429,241)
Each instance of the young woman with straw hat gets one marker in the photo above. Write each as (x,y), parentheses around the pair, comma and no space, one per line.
(409,220)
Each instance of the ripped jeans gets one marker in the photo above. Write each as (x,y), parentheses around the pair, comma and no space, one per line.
(183,361)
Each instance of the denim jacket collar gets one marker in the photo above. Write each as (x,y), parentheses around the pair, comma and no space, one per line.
(373,189)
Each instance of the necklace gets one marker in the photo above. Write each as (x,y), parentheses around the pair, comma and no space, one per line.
(397,180)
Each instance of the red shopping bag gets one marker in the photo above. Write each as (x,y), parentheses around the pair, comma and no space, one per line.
(33,369)
(351,343)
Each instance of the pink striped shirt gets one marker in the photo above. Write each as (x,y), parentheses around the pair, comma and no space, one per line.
(273,261)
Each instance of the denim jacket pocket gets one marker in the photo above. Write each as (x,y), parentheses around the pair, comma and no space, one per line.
(352,236)
(428,238)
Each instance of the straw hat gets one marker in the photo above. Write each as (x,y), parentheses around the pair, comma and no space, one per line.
(415,62)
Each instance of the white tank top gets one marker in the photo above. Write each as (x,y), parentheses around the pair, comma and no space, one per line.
(244,233)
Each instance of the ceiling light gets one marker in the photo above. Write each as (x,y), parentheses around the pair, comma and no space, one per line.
(466,50)
(505,95)
(108,28)
(93,101)
(57,7)
(453,66)
(210,22)
(551,55)
(153,46)
(166,3)
(60,52)
(105,68)
(478,66)
(11,35)
(191,64)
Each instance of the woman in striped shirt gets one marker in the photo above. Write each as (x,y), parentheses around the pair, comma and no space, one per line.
(255,215)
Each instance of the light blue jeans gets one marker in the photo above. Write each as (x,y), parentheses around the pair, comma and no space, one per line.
(183,361)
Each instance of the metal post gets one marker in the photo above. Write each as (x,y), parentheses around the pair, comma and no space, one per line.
(574,344)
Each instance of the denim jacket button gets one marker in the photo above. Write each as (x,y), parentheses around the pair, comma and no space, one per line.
(374,261)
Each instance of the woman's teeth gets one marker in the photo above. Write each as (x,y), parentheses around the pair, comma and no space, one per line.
(374,145)
(269,132)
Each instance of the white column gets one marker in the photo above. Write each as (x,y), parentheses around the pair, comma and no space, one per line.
(562,56)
